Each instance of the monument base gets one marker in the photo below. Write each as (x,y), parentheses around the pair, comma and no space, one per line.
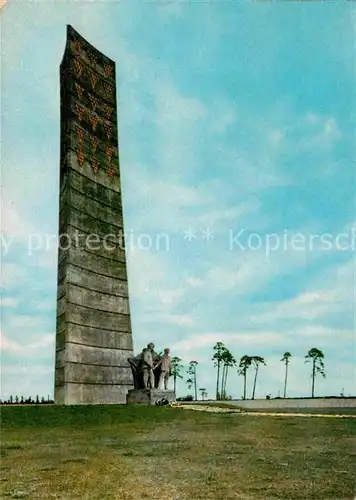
(149,396)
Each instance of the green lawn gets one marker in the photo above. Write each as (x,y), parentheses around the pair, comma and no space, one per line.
(138,452)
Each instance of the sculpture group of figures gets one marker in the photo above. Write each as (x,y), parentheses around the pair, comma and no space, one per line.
(149,370)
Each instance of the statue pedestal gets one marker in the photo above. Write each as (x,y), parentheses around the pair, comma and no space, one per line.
(149,396)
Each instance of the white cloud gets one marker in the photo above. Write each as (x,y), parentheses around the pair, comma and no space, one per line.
(32,349)
(177,319)
(241,339)
(194,282)
(243,272)
(19,321)
(46,258)
(307,306)
(175,109)
(312,118)
(312,131)
(11,274)
(170,205)
(170,9)
(223,115)
(327,136)
(8,302)
(13,222)
(276,138)
(26,380)
(25,371)
(154,283)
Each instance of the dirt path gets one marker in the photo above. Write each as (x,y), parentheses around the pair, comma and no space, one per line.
(213,409)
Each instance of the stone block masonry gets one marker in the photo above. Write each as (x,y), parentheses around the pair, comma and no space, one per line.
(93,333)
(149,396)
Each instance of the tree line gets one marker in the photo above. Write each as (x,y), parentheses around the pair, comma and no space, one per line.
(26,401)
(224,362)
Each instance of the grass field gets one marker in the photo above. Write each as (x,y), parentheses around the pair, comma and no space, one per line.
(133,452)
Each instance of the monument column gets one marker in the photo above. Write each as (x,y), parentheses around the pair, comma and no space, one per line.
(93,333)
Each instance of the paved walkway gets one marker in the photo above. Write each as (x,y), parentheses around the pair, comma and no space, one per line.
(214,409)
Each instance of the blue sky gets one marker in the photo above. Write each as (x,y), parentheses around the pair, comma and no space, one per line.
(232,117)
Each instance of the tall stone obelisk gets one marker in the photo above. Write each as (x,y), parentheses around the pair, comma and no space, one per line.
(93,334)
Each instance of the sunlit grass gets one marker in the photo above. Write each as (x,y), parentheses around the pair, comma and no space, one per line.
(138,452)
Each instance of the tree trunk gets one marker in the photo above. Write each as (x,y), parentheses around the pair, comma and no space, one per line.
(174,382)
(227,367)
(222,382)
(217,381)
(285,382)
(245,384)
(195,384)
(313,378)
(254,383)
